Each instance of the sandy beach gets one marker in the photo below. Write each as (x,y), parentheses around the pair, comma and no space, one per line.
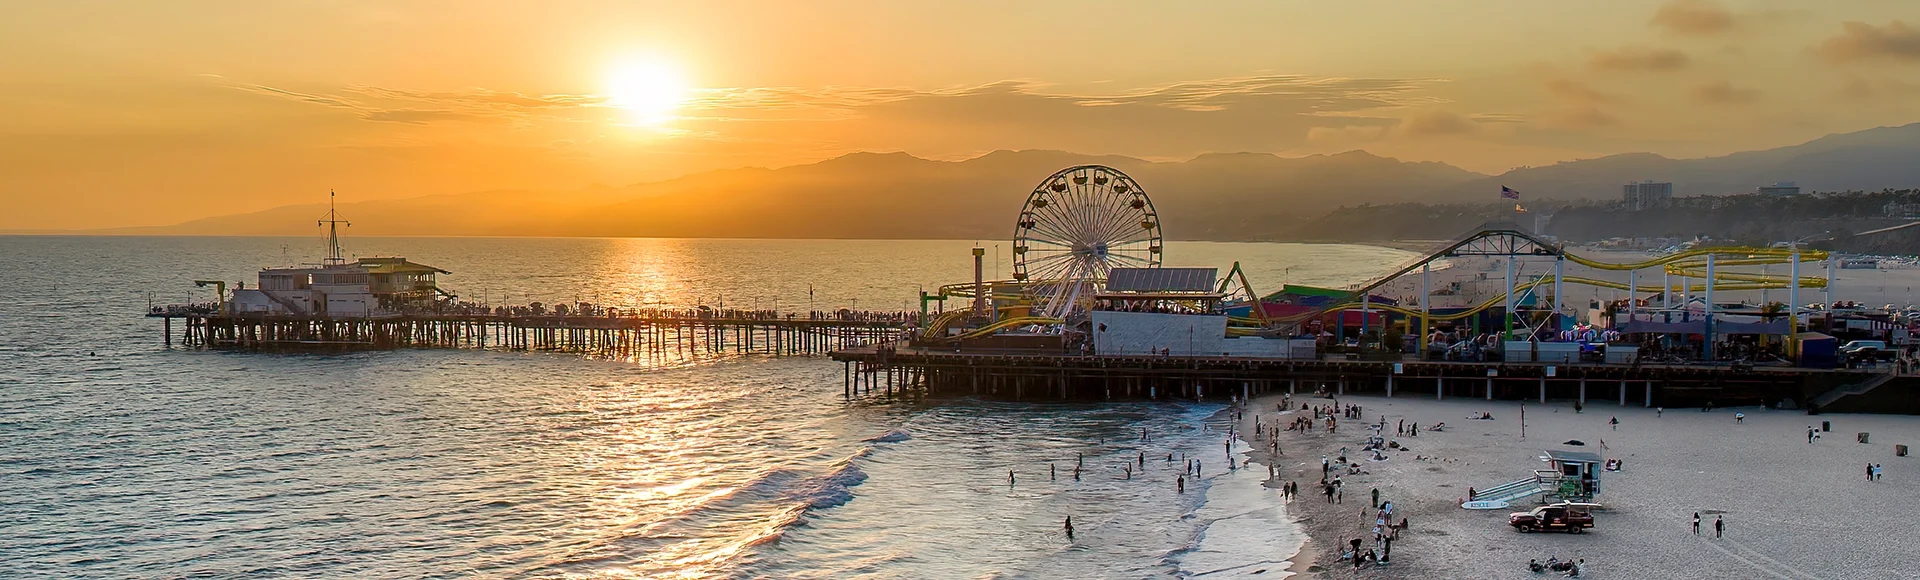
(1793,510)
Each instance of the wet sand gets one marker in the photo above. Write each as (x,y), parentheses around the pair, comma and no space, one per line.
(1793,510)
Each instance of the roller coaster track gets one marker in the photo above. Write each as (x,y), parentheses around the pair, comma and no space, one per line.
(1511,240)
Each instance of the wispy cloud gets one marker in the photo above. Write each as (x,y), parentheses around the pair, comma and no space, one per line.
(1724,93)
(1859,41)
(1639,58)
(1693,18)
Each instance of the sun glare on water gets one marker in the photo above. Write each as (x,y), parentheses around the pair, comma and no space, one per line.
(649,91)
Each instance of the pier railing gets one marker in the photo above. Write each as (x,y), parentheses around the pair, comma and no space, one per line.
(638,333)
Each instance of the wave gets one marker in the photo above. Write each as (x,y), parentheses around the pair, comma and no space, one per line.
(894,435)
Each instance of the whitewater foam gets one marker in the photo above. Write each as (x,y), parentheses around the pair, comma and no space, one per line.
(1246,532)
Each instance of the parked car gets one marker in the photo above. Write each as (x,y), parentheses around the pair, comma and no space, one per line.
(1569,517)
(1865,349)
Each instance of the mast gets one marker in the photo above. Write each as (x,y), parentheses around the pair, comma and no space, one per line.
(333,222)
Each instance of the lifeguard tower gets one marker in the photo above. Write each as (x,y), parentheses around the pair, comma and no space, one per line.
(1570,476)
(1574,476)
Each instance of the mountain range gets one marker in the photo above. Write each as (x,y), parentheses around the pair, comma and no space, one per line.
(1232,196)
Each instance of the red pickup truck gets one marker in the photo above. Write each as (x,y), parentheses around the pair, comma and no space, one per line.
(1569,517)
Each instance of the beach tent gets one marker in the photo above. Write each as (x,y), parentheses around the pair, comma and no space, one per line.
(1817,350)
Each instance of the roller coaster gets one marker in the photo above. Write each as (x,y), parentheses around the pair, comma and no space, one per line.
(1013,298)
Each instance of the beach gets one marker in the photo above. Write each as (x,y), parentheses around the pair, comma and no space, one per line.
(1792,509)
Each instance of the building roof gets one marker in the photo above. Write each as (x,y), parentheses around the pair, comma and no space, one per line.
(1573,456)
(1162,279)
(396,266)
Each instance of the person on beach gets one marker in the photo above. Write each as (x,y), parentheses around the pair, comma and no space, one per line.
(1376,498)
(1050,472)
(1180,484)
(1811,434)
(1659,411)
(1615,423)
(1739,418)
(1869,472)
(1719,525)
(1009,478)
(1696,523)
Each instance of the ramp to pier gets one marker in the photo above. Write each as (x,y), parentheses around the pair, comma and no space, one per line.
(1503,495)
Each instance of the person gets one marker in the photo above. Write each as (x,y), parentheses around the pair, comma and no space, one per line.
(1659,411)
(1719,525)
(1876,472)
(1069,527)
(1180,484)
(1696,523)
(1614,422)
(1810,434)
(1869,472)
(1739,418)
(1376,497)
(1576,407)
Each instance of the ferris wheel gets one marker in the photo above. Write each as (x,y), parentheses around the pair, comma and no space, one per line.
(1077,225)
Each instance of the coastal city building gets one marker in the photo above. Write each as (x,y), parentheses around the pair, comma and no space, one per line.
(1646,194)
(1783,188)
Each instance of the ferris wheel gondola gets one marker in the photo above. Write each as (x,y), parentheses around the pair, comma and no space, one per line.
(1077,225)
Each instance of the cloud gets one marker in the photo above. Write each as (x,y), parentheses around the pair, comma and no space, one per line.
(1860,41)
(1580,117)
(1639,58)
(1573,91)
(1693,18)
(1346,134)
(1724,93)
(415,116)
(1437,122)
(1858,87)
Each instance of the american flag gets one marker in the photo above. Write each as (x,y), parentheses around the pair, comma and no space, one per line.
(1509,193)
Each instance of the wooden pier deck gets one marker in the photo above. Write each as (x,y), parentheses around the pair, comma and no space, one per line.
(619,335)
(897,369)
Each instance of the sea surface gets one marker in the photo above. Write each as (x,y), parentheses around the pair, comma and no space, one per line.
(121,457)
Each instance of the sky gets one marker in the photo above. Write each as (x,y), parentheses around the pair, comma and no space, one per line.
(127,113)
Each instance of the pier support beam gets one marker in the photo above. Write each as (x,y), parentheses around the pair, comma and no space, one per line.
(1649,402)
(1543,390)
(1489,388)
(1623,392)
(1583,391)
(1389,385)
(1439,388)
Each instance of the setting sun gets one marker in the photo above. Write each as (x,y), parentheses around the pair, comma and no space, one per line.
(649,91)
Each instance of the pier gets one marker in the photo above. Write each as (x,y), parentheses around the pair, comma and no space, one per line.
(611,334)
(1026,375)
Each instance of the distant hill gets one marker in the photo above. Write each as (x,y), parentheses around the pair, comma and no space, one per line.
(882,195)
(1228,196)
(1874,159)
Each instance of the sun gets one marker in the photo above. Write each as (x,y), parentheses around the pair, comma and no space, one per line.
(649,91)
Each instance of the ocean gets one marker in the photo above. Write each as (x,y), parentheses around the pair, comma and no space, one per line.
(122,457)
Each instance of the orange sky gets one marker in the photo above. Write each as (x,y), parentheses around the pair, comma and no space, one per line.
(137,113)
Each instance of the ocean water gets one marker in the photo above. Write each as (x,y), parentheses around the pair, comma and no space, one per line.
(121,457)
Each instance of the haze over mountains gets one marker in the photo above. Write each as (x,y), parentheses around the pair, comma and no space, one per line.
(1239,196)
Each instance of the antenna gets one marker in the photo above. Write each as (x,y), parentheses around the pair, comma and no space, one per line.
(333,222)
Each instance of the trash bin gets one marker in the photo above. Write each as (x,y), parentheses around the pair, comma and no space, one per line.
(1861,437)
(1899,451)
(1826,426)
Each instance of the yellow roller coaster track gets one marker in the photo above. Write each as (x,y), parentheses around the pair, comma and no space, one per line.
(1500,300)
